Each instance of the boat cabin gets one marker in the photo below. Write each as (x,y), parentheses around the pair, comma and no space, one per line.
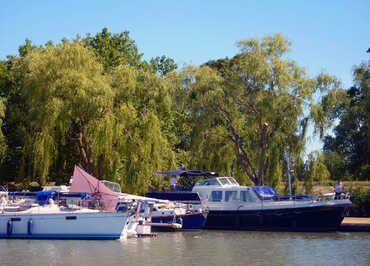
(224,189)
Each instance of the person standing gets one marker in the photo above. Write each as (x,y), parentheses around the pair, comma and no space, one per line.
(339,188)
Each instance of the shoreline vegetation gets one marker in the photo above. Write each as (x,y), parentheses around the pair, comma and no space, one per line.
(94,101)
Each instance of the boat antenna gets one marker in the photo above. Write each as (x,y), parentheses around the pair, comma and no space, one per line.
(289,177)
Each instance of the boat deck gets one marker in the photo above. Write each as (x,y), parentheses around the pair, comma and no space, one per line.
(355,224)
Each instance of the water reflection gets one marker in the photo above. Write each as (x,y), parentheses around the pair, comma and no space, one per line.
(196,248)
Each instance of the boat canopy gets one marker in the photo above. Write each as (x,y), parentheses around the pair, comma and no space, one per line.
(187,173)
(44,196)
(265,192)
(84,182)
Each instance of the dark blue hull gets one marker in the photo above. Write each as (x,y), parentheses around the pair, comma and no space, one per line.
(189,221)
(321,218)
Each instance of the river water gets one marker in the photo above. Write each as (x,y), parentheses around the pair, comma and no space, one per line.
(196,248)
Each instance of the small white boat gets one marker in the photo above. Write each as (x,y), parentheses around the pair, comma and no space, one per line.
(138,224)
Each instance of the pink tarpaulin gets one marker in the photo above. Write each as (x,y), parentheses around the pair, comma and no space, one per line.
(83,182)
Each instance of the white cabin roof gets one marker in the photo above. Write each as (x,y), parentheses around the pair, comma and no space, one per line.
(218,181)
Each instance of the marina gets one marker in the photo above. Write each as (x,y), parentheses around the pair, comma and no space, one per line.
(131,221)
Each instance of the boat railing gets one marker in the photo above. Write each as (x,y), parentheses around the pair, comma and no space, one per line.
(301,199)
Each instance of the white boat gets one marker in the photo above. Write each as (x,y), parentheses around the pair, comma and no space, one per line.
(164,214)
(55,222)
(138,224)
(91,218)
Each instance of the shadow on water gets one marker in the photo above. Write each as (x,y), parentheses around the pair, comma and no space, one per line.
(196,248)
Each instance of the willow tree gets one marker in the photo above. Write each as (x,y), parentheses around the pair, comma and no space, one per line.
(143,105)
(260,102)
(70,103)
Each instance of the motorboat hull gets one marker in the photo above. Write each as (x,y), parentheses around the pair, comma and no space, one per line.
(90,225)
(315,218)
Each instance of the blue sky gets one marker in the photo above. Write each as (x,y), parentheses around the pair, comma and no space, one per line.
(327,35)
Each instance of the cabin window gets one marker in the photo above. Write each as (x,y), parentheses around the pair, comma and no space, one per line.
(247,196)
(231,195)
(216,196)
(212,182)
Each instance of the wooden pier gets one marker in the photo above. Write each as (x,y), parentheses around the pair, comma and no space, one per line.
(355,224)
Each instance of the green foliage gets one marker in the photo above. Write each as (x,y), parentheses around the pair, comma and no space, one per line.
(361,199)
(352,140)
(27,48)
(142,104)
(12,74)
(3,144)
(316,172)
(113,50)
(162,65)
(256,101)
(69,101)
(95,102)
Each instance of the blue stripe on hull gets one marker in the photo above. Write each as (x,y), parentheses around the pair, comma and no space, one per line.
(61,236)
(189,222)
(299,219)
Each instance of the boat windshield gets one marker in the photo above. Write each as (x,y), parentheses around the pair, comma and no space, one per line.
(233,181)
(208,182)
(115,187)
(224,181)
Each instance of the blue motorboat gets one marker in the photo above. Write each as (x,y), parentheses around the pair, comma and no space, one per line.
(236,207)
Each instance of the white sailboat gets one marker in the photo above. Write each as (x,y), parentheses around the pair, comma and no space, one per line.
(93,217)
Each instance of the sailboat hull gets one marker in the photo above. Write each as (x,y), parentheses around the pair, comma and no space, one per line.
(95,225)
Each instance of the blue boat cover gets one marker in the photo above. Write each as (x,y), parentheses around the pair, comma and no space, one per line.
(44,196)
(270,193)
(187,173)
(265,192)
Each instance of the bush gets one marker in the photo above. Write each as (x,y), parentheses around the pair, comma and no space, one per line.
(361,200)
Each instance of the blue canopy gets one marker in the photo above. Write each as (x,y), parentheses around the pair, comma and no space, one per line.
(187,173)
(44,196)
(265,192)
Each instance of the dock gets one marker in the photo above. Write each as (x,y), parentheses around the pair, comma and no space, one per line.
(355,224)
